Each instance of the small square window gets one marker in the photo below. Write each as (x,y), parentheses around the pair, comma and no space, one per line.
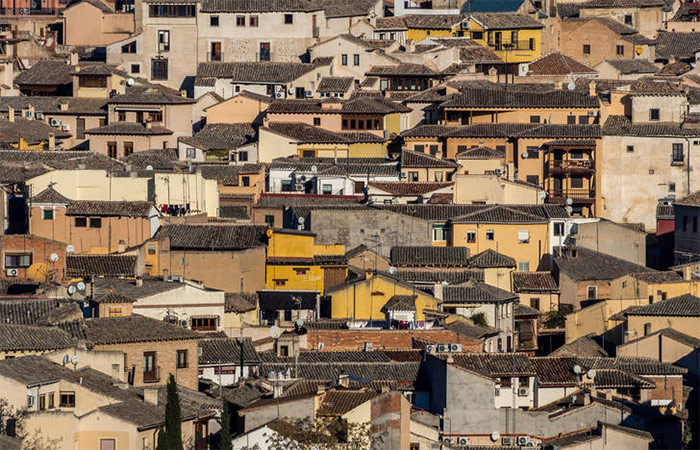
(620,49)
(279,282)
(490,235)
(182,359)
(672,187)
(243,156)
(628,19)
(214,21)
(253,21)
(67,400)
(240,21)
(534,119)
(270,221)
(288,19)
(471,236)
(151,249)
(630,149)
(95,222)
(80,222)
(327,189)
(136,68)
(317,121)
(245,181)
(356,60)
(586,49)
(344,60)
(48,214)
(654,114)
(523,266)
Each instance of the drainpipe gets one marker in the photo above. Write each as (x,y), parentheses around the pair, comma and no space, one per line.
(687,168)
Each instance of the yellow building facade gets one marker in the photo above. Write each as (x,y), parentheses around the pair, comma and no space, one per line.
(515,38)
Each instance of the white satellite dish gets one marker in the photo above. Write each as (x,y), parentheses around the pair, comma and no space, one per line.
(53,257)
(71,290)
(495,436)
(75,360)
(392,270)
(70,249)
(569,201)
(299,323)
(321,345)
(81,286)
(314,169)
(130,82)
(591,374)
(275,332)
(301,220)
(571,86)
(524,155)
(542,194)
(569,209)
(149,168)
(577,369)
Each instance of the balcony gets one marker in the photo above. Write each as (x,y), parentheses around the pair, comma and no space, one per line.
(578,195)
(512,46)
(152,376)
(586,165)
(29,11)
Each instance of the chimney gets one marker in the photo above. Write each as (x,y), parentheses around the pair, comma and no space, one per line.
(149,124)
(139,281)
(592,88)
(493,75)
(321,389)
(121,246)
(10,113)
(559,85)
(74,59)
(52,141)
(63,106)
(344,380)
(150,396)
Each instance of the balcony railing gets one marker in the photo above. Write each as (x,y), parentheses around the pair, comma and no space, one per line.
(571,164)
(512,46)
(152,376)
(29,11)
(573,193)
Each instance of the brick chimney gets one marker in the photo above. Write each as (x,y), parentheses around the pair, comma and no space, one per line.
(10,113)
(592,88)
(150,396)
(52,141)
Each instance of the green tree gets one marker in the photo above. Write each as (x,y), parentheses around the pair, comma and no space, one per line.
(173,418)
(479,319)
(225,442)
(161,439)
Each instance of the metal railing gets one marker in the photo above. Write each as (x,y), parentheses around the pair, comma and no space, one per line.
(512,46)
(152,376)
(29,11)
(574,193)
(571,164)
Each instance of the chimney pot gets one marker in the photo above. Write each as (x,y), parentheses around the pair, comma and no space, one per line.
(121,246)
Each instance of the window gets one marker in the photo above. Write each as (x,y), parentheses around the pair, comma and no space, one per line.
(112,149)
(695,224)
(67,400)
(128,148)
(506,382)
(129,48)
(654,114)
(136,68)
(214,21)
(344,60)
(576,182)
(523,266)
(439,176)
(583,120)
(559,228)
(288,19)
(121,116)
(171,11)
(533,152)
(677,153)
(586,49)
(270,220)
(534,119)
(215,51)
(592,293)
(47,214)
(182,359)
(245,181)
(95,222)
(490,236)
(51,397)
(286,185)
(89,81)
(570,120)
(115,311)
(159,69)
(80,222)
(191,153)
(647,329)
(630,149)
(620,50)
(151,249)
(523,381)
(42,402)
(16,261)
(243,155)
(535,302)
(355,60)
(628,19)
(672,187)
(308,154)
(301,270)
(317,121)
(203,323)
(685,223)
(413,176)
(533,179)
(327,189)
(155,116)
(240,21)
(471,236)
(419,148)
(523,236)
(163,40)
(279,282)
(253,21)
(439,233)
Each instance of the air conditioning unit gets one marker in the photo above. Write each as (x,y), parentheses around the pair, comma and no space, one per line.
(498,171)
(463,440)
(448,440)
(523,440)
(279,94)
(593,113)
(455,347)
(65,127)
(183,323)
(12,272)
(523,392)
(309,94)
(443,348)
(430,348)
(55,122)
(506,440)
(696,142)
(39,116)
(403,175)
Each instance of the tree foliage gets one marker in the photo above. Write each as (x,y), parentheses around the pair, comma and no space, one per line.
(172,434)
(13,423)
(225,433)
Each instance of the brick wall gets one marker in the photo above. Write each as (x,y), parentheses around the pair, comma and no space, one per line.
(385,339)
(40,249)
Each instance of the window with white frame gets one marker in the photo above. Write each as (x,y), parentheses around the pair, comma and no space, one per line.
(439,232)
(523,236)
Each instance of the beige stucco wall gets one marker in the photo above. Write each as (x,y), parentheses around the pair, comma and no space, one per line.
(493,190)
(687,325)
(91,185)
(273,146)
(603,43)
(86,25)
(237,109)
(187,188)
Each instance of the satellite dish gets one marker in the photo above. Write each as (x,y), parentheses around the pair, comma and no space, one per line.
(130,82)
(301,220)
(591,374)
(53,257)
(303,178)
(71,290)
(569,201)
(571,86)
(445,283)
(81,286)
(577,369)
(569,209)
(299,323)
(314,169)
(321,345)
(149,167)
(70,249)
(66,359)
(550,118)
(75,360)
(524,155)
(275,332)
(542,194)
(495,436)
(392,270)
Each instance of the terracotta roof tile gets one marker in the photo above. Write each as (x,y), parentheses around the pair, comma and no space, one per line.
(133,328)
(534,282)
(101,265)
(476,293)
(109,209)
(17,338)
(410,189)
(429,256)
(683,306)
(557,63)
(506,20)
(213,237)
(413,159)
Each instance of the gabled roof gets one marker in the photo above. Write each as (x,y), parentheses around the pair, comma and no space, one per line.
(50,195)
(534,282)
(131,288)
(109,209)
(17,338)
(632,66)
(413,159)
(214,237)
(52,105)
(408,189)
(481,152)
(622,126)
(683,306)
(400,303)
(339,402)
(443,213)
(431,21)
(491,259)
(150,96)
(221,136)
(355,105)
(304,133)
(678,45)
(505,21)
(240,302)
(132,329)
(557,63)
(101,265)
(402,69)
(227,174)
(46,73)
(342,8)
(516,98)
(499,214)
(253,72)
(259,6)
(584,346)
(129,128)
(227,351)
(31,131)
(476,293)
(494,365)
(429,256)
(334,84)
(588,264)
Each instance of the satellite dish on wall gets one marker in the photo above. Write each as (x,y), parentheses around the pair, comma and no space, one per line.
(275,332)
(130,82)
(571,86)
(577,369)
(314,169)
(392,270)
(591,374)
(495,436)
(301,220)
(66,359)
(299,323)
(71,290)
(75,360)
(70,249)
(149,168)
(569,209)
(81,286)
(569,201)
(53,257)
(523,155)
